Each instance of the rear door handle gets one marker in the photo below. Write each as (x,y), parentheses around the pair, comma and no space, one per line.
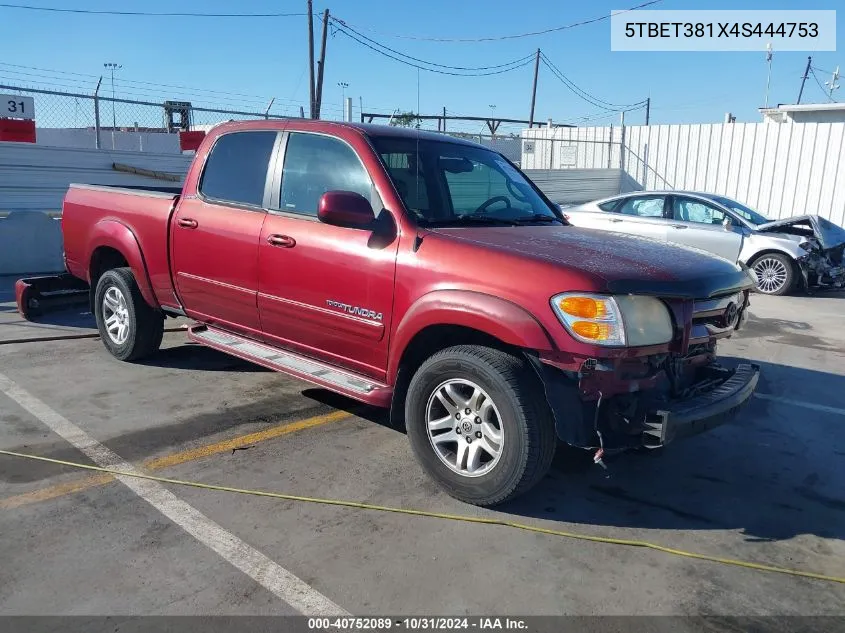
(188,223)
(615,220)
(283,241)
(679,226)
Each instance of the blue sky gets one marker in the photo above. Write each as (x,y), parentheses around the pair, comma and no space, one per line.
(265,57)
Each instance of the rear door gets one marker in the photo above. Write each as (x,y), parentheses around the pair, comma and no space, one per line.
(593,215)
(641,215)
(214,235)
(700,224)
(326,291)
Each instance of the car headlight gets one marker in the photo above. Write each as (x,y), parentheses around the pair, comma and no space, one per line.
(620,320)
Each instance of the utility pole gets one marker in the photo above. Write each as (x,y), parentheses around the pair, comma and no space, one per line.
(769,56)
(311,95)
(804,79)
(112,67)
(647,109)
(343,86)
(832,85)
(534,89)
(321,65)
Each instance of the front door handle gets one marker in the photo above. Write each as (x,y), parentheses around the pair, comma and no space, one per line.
(679,226)
(283,241)
(615,220)
(188,223)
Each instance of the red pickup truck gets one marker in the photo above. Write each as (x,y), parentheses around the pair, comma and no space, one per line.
(425,274)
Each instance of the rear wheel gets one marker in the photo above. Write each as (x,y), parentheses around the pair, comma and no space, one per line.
(775,273)
(479,425)
(129,327)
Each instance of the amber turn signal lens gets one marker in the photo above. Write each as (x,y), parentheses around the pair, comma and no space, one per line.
(592,331)
(584,307)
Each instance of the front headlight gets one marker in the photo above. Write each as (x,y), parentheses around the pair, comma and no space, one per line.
(621,320)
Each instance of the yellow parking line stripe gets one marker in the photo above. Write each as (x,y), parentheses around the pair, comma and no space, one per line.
(51,492)
(243,440)
(160,463)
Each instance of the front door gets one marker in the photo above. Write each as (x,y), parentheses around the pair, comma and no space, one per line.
(701,225)
(214,236)
(326,291)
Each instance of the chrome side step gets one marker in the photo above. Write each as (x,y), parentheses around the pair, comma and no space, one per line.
(353,385)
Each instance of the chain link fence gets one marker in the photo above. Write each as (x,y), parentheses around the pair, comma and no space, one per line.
(67,119)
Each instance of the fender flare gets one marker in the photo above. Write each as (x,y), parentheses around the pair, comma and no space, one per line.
(120,237)
(492,315)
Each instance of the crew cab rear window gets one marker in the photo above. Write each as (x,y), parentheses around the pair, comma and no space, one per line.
(315,164)
(236,169)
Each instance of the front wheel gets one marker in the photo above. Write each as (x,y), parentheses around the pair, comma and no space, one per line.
(479,425)
(775,274)
(129,327)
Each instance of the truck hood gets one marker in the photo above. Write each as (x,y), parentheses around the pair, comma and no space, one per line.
(826,232)
(626,264)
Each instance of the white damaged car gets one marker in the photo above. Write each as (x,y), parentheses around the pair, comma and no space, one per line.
(804,251)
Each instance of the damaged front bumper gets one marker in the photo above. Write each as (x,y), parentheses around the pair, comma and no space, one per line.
(703,412)
(649,416)
(820,270)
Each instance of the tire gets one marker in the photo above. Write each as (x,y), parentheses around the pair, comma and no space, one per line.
(509,398)
(775,274)
(139,328)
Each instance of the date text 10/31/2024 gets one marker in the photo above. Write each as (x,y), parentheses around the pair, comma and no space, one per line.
(416,623)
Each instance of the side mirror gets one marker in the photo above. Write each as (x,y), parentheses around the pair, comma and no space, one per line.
(345,208)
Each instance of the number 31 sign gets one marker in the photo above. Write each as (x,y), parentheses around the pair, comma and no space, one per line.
(16,107)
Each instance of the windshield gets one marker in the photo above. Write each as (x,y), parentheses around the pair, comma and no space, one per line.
(444,183)
(749,214)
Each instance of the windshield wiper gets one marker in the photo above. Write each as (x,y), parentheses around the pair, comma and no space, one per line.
(538,218)
(471,218)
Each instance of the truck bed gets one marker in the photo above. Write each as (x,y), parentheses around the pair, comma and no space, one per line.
(93,214)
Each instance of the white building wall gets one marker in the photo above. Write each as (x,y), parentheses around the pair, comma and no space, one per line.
(780,170)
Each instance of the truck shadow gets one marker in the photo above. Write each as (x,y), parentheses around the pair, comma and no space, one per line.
(195,357)
(774,473)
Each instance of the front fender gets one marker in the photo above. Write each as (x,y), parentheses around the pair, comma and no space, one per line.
(120,237)
(496,317)
(756,244)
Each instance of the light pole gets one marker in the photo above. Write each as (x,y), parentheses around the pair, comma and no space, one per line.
(112,67)
(343,86)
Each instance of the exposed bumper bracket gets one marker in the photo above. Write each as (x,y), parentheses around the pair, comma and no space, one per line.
(704,412)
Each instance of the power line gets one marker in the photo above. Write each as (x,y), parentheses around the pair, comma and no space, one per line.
(822,70)
(510,37)
(821,87)
(5,5)
(435,69)
(586,96)
(342,24)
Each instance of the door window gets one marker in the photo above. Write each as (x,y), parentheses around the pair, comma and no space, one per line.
(236,169)
(692,210)
(315,164)
(645,207)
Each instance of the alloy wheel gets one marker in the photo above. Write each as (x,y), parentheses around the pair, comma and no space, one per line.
(116,315)
(464,427)
(771,274)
